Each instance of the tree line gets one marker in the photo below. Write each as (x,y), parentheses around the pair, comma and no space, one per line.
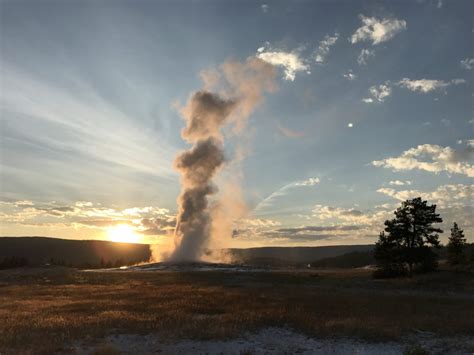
(406,246)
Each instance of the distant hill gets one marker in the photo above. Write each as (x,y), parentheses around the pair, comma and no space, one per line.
(77,253)
(18,251)
(346,261)
(278,256)
(363,258)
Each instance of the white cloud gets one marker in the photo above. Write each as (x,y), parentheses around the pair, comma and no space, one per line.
(324,46)
(379,93)
(350,125)
(308,182)
(376,30)
(444,195)
(399,182)
(467,63)
(432,158)
(426,85)
(349,75)
(264,8)
(290,61)
(364,55)
(327,212)
(258,222)
(343,216)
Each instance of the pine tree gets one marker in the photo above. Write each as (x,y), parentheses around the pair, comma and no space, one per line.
(456,245)
(387,254)
(408,239)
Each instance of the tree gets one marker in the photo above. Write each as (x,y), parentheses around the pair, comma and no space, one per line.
(456,245)
(387,254)
(408,239)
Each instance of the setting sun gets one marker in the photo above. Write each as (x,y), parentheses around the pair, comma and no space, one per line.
(124,234)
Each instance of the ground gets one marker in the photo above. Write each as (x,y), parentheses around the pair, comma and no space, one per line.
(63,310)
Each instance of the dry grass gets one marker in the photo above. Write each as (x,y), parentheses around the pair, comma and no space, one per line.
(46,310)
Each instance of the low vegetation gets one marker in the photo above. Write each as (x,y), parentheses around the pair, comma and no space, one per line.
(51,309)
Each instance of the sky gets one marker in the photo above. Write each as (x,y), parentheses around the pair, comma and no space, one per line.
(373,106)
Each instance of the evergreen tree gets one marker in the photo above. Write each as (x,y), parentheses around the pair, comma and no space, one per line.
(456,245)
(408,239)
(387,254)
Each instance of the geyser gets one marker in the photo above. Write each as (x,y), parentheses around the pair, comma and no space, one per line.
(230,95)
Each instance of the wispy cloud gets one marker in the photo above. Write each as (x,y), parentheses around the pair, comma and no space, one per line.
(308,233)
(377,30)
(381,92)
(400,182)
(378,93)
(308,182)
(328,212)
(426,85)
(446,122)
(290,133)
(285,190)
(51,134)
(349,75)
(324,47)
(291,62)
(467,63)
(364,56)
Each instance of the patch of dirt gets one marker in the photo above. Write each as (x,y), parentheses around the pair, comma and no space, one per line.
(278,341)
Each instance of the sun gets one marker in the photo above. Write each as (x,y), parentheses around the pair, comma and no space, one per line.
(123,233)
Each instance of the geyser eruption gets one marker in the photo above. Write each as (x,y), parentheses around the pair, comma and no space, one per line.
(230,95)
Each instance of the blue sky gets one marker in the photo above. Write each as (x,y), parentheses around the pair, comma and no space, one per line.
(374,105)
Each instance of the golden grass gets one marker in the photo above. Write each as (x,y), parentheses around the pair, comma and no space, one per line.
(46,312)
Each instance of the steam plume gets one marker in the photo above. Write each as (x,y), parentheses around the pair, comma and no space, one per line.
(230,95)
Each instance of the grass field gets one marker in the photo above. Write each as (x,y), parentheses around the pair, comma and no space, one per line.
(47,310)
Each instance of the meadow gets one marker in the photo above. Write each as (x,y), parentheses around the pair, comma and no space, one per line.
(46,310)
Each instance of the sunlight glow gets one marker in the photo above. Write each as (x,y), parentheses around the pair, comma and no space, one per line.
(123,233)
